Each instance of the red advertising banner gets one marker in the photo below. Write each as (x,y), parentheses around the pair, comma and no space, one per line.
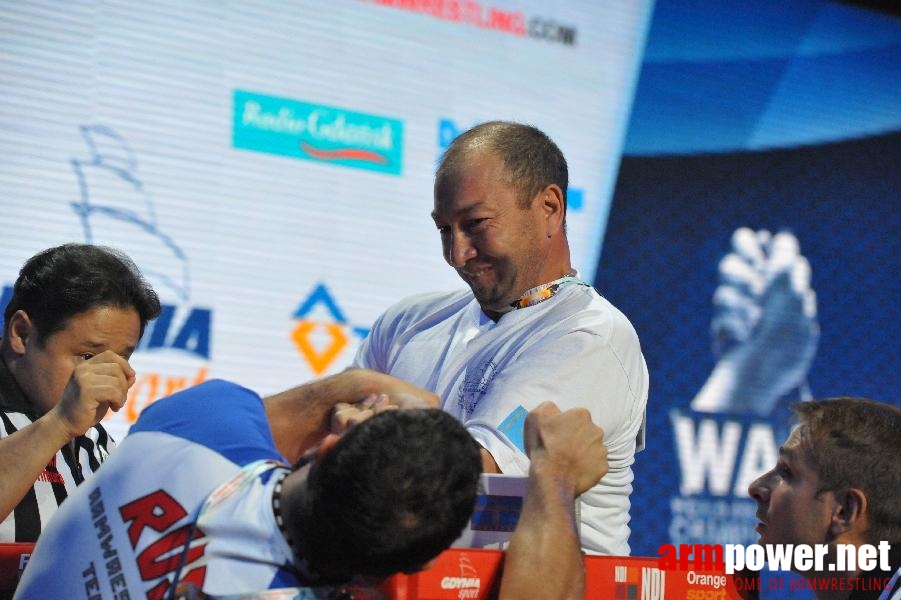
(13,558)
(472,574)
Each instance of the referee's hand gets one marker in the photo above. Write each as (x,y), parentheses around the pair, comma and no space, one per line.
(97,385)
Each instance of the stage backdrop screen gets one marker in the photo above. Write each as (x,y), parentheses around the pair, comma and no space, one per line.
(269,165)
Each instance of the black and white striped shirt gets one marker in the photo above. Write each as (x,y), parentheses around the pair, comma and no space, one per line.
(59,478)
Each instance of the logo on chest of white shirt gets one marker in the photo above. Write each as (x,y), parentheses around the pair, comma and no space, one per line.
(474,385)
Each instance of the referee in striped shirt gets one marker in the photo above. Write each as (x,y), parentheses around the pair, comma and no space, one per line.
(76,315)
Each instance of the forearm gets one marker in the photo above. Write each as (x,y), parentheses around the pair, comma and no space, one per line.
(544,559)
(24,455)
(299,418)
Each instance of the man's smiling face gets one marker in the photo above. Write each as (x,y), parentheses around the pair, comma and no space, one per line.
(496,245)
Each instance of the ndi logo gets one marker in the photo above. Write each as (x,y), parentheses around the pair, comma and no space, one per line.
(319,133)
(653,584)
(650,582)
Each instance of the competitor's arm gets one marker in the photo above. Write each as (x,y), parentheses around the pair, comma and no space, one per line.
(300,417)
(567,454)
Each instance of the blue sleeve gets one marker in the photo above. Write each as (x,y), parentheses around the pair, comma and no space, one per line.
(220,415)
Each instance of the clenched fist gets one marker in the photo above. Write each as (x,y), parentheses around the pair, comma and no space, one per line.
(566,445)
(97,385)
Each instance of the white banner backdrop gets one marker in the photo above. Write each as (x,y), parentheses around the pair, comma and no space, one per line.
(269,165)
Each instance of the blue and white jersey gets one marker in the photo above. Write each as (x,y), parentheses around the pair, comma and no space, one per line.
(127,531)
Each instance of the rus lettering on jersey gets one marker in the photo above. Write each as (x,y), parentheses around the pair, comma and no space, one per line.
(161,557)
(157,510)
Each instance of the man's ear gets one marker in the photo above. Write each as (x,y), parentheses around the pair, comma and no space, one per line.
(20,330)
(552,207)
(850,513)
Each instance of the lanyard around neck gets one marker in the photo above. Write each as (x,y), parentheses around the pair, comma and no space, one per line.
(542,292)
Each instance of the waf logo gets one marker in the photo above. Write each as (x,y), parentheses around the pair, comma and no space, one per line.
(467,584)
(315,132)
(322,331)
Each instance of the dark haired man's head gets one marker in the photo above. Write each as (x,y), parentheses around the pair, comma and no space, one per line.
(392,494)
(60,282)
(69,304)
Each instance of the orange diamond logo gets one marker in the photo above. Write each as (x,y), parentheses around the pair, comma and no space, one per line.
(322,332)
(319,356)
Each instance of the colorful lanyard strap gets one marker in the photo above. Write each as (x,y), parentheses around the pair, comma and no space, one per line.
(544,291)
